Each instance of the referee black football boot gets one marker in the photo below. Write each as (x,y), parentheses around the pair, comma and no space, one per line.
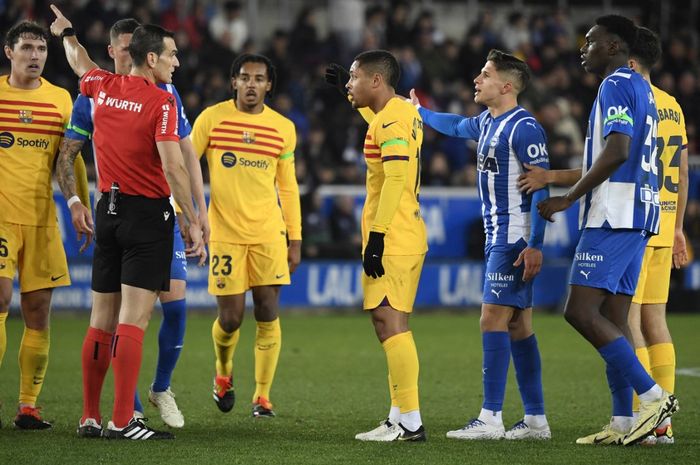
(29,418)
(89,428)
(224,395)
(135,430)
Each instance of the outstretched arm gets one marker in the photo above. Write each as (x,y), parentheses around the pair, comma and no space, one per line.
(77,56)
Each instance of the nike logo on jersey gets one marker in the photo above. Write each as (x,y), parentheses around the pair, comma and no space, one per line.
(584,273)
(386,125)
(497,293)
(56,278)
(279,276)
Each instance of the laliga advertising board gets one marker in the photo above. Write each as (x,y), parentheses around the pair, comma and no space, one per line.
(448,278)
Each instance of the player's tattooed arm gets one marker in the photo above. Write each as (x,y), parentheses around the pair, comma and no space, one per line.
(65,172)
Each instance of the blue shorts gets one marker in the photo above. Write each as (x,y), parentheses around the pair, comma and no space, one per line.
(178,265)
(609,259)
(503,282)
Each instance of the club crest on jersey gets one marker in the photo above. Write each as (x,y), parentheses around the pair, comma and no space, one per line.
(248,137)
(493,142)
(220,283)
(25,116)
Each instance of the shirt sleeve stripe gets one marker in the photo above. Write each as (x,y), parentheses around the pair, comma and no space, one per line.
(395,157)
(394,142)
(284,156)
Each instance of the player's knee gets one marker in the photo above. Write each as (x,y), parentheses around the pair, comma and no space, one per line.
(573,318)
(5,299)
(230,323)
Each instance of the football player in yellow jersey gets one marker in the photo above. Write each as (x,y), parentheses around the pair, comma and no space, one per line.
(254,213)
(33,116)
(647,316)
(393,232)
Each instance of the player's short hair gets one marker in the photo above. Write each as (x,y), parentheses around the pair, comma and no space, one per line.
(621,26)
(147,38)
(254,58)
(28,29)
(123,26)
(514,67)
(381,62)
(647,48)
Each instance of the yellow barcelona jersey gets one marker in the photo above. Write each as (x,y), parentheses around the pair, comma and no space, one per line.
(392,152)
(251,168)
(671,140)
(31,128)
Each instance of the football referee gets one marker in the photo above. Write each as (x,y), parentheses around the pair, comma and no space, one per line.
(139,160)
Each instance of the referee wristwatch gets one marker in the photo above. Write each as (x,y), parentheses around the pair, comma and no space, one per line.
(67,32)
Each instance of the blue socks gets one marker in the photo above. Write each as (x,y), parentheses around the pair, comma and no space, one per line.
(621,392)
(170,340)
(496,346)
(620,356)
(528,371)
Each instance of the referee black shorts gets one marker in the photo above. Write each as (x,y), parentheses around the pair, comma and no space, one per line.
(135,246)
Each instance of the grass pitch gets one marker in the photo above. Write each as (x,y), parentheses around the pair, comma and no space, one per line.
(331,383)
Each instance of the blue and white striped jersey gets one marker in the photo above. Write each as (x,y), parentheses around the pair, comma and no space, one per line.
(629,199)
(504,144)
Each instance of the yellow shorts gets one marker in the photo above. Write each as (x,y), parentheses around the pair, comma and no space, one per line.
(235,268)
(36,252)
(399,283)
(655,276)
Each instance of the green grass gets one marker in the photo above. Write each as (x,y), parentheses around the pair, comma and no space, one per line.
(330,384)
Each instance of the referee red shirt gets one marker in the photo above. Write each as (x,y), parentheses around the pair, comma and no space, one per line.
(130,115)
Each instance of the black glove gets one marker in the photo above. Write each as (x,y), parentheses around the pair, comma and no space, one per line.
(372,258)
(337,77)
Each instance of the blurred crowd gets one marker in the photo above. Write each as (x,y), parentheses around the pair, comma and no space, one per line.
(441,68)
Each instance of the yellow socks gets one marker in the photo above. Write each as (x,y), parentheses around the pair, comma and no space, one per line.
(3,336)
(224,347)
(33,360)
(662,359)
(402,359)
(643,356)
(268,342)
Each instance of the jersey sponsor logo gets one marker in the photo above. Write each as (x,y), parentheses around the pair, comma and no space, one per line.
(537,150)
(498,276)
(248,137)
(588,257)
(118,103)
(164,120)
(488,163)
(229,160)
(180,255)
(618,114)
(92,78)
(6,140)
(25,116)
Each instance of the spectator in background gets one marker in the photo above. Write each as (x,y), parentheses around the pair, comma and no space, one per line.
(345,231)
(229,28)
(398,32)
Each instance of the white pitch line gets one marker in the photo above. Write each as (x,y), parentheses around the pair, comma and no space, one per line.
(695,372)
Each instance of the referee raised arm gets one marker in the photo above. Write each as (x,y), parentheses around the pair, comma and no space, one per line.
(140,162)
